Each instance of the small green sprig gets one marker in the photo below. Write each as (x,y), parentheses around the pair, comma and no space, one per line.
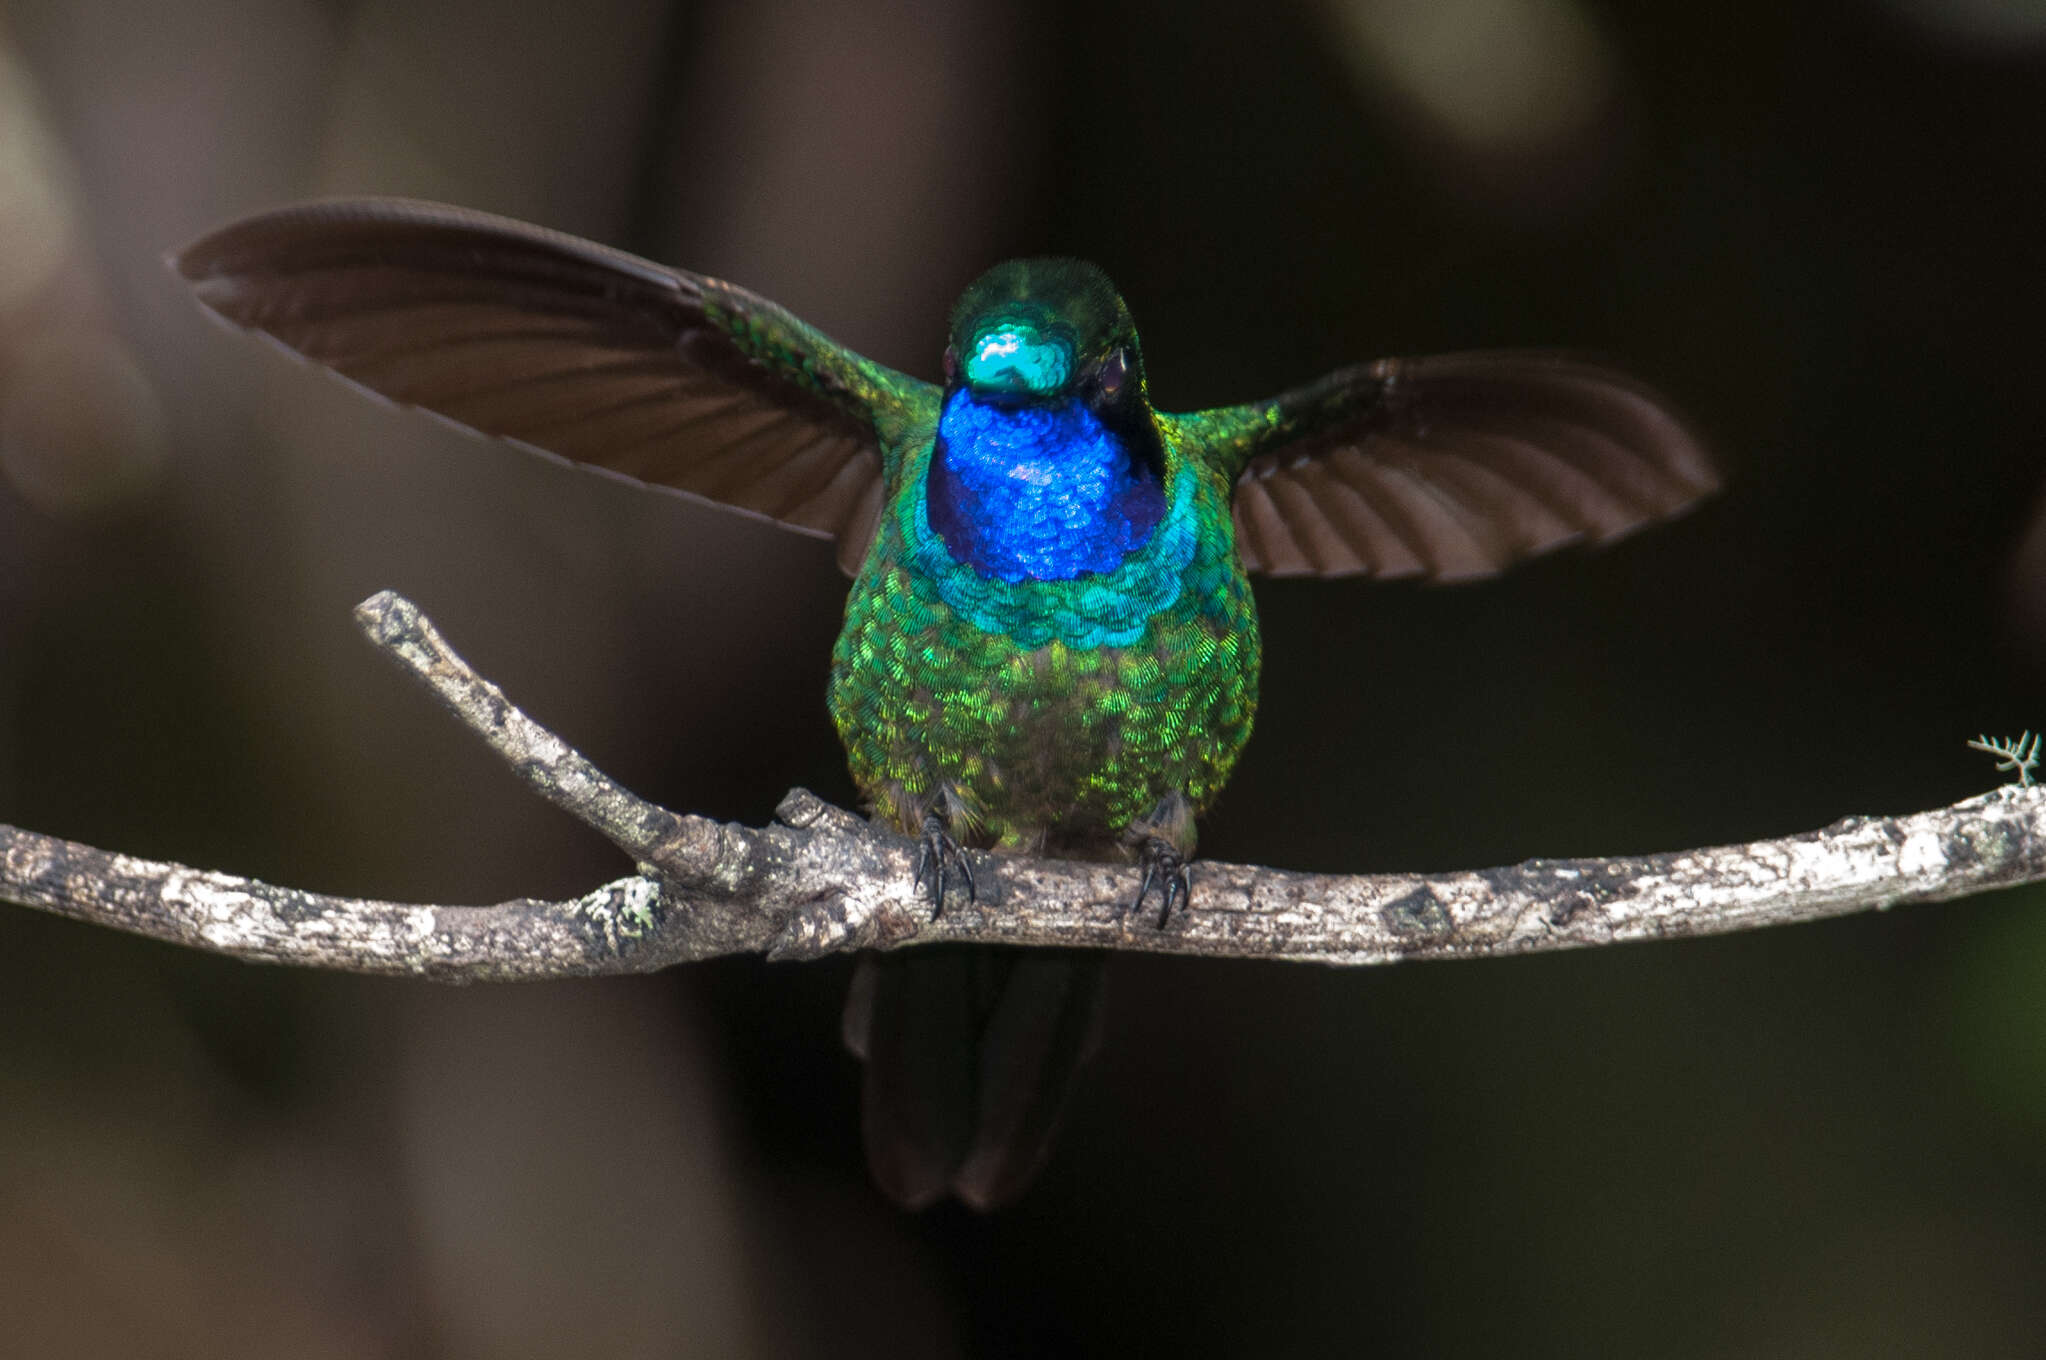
(2021,755)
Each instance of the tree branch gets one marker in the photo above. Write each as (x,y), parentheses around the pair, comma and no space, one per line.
(819,879)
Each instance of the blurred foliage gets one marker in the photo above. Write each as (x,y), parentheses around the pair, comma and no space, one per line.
(1998,1015)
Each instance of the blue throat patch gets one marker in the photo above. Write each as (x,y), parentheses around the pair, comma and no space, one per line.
(1043,493)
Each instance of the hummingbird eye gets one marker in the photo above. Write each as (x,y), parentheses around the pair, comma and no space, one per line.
(1114,369)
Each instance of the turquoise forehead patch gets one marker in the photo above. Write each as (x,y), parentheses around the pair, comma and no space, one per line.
(1018,358)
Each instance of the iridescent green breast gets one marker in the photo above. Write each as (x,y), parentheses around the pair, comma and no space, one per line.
(1033,712)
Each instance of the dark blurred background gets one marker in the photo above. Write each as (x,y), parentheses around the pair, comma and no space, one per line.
(1817,225)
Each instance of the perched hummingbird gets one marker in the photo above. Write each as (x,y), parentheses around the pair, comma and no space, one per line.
(1050,644)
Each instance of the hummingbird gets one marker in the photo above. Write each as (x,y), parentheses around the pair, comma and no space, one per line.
(1050,642)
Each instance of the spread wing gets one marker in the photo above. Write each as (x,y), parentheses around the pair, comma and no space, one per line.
(1450,467)
(572,349)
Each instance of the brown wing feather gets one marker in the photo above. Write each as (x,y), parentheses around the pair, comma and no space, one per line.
(571,349)
(1455,467)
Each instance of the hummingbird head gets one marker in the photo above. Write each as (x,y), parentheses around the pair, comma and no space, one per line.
(1048,462)
(1045,331)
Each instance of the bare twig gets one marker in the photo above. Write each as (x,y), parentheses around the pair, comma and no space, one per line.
(2021,755)
(819,880)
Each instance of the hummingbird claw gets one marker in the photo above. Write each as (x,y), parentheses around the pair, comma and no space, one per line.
(1170,870)
(937,852)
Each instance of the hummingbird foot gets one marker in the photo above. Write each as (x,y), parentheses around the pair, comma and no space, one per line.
(936,852)
(1172,871)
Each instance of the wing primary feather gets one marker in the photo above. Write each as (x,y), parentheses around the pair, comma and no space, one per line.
(1495,506)
(443,398)
(1309,522)
(1459,546)
(1452,466)
(815,483)
(740,481)
(1249,547)
(1369,479)
(826,510)
(1385,554)
(723,471)
(1276,547)
(1623,473)
(748,423)
(1650,427)
(858,533)
(1555,481)
(664,393)
(766,481)
(564,347)
(381,350)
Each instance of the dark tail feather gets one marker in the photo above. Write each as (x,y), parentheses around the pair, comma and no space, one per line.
(912,1019)
(1044,1027)
(971,1056)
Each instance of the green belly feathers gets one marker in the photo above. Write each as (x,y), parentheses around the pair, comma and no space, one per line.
(1040,712)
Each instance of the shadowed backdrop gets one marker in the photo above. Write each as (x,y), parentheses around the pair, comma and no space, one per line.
(1814,225)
